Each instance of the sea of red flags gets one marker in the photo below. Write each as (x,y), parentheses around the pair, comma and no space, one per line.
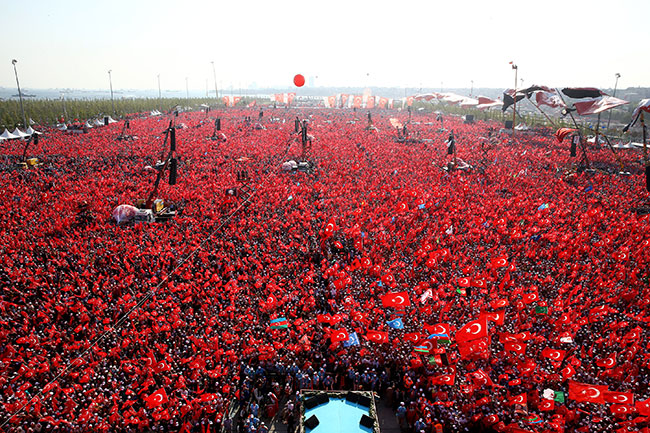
(542,283)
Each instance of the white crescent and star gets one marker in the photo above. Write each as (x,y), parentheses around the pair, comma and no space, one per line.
(478,328)
(440,329)
(592,392)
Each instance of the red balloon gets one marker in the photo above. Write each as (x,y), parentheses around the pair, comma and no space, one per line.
(299,80)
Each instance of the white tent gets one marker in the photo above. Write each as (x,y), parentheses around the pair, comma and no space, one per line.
(88,125)
(111,120)
(31,131)
(62,127)
(8,135)
(98,122)
(19,133)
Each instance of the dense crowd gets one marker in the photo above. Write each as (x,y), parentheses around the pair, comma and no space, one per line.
(163,327)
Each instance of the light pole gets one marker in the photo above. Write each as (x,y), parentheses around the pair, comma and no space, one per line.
(20,94)
(110,82)
(471,90)
(187,88)
(216,91)
(159,92)
(609,119)
(65,112)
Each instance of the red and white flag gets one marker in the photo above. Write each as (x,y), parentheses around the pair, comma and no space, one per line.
(377,336)
(156,399)
(587,393)
(339,335)
(472,330)
(398,299)
(553,354)
(551,99)
(598,105)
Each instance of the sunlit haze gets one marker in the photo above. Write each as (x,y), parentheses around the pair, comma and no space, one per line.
(73,44)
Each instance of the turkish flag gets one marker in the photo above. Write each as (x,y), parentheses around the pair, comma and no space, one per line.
(377,336)
(472,331)
(339,335)
(518,348)
(464,282)
(619,397)
(530,298)
(397,299)
(568,372)
(497,317)
(553,354)
(156,399)
(323,318)
(444,379)
(608,362)
(439,329)
(467,349)
(621,409)
(413,337)
(546,405)
(491,420)
(479,283)
(589,393)
(499,303)
(521,399)
(499,262)
(643,407)
(161,366)
(480,378)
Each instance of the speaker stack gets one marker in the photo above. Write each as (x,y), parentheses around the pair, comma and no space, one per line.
(366,421)
(311,422)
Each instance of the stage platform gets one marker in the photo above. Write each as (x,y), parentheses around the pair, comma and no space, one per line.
(338,412)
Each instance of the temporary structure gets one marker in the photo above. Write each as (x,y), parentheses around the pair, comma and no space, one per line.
(32,131)
(20,134)
(8,135)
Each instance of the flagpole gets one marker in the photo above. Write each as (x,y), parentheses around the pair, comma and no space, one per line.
(597,130)
(514,105)
(582,144)
(645,153)
(455,162)
(545,115)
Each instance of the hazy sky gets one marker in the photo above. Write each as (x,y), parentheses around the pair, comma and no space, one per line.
(342,42)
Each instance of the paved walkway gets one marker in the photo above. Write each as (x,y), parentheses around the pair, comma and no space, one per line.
(387,419)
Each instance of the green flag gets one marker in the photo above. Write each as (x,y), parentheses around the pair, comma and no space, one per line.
(559,396)
(541,310)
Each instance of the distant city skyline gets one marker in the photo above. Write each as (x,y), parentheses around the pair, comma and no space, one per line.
(73,44)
